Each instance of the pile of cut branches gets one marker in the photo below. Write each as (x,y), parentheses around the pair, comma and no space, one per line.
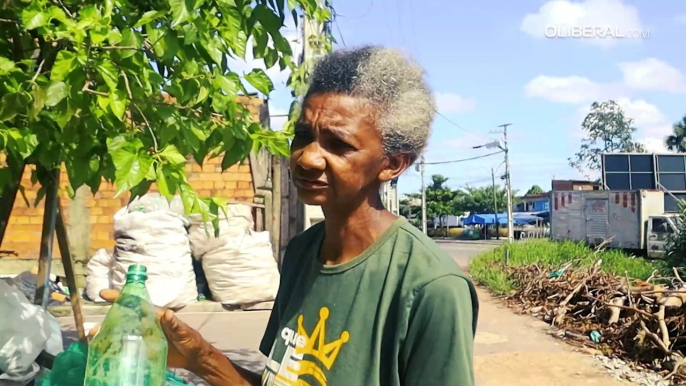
(643,322)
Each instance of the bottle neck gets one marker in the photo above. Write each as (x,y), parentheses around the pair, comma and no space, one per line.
(130,279)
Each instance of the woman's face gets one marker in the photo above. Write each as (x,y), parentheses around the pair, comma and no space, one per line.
(336,154)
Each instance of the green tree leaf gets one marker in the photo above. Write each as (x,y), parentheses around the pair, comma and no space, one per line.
(130,38)
(165,185)
(259,79)
(109,74)
(10,104)
(214,48)
(55,93)
(33,17)
(64,63)
(180,12)
(6,65)
(117,103)
(39,98)
(236,153)
(148,17)
(171,154)
(131,168)
(267,18)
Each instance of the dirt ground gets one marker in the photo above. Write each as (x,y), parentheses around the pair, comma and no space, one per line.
(514,350)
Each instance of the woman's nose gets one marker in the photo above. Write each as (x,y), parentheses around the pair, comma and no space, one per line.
(311,157)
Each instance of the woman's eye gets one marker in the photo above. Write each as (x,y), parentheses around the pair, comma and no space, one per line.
(301,136)
(342,145)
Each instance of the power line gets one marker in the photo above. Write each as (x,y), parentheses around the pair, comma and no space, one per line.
(460,127)
(371,5)
(462,160)
(335,21)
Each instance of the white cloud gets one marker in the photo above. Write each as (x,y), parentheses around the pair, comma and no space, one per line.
(643,113)
(654,142)
(653,75)
(570,89)
(449,103)
(564,14)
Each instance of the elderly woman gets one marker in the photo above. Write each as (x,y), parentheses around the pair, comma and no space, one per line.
(365,298)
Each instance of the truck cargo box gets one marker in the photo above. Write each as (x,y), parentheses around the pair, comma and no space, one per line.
(593,216)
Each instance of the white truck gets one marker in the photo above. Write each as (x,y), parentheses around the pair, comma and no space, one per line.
(632,220)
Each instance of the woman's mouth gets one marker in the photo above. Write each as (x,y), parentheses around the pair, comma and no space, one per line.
(310,184)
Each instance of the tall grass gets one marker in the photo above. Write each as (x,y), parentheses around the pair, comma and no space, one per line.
(489,268)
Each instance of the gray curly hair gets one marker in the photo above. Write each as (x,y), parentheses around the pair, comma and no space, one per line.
(392,83)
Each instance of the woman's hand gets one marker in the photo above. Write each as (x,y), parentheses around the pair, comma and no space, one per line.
(186,347)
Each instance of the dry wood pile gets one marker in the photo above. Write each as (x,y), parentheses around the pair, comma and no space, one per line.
(643,322)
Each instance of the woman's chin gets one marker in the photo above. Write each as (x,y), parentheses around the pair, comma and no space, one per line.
(312,197)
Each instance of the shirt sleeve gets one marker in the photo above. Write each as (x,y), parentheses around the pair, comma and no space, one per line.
(272,328)
(439,345)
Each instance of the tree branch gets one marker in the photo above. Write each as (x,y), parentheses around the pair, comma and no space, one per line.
(40,67)
(115,48)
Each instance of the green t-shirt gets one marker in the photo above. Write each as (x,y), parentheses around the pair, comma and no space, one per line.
(401,313)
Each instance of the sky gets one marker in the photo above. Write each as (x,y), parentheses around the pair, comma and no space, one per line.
(489,62)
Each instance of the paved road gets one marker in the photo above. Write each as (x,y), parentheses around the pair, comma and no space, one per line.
(509,349)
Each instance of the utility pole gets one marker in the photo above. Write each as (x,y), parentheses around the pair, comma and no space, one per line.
(495,206)
(508,186)
(421,171)
(311,51)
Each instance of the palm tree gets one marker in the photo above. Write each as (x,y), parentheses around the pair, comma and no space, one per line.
(677,141)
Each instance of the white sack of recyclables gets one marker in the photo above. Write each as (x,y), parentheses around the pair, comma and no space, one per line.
(26,330)
(98,275)
(157,238)
(236,219)
(242,270)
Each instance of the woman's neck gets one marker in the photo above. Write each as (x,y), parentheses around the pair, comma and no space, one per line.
(349,233)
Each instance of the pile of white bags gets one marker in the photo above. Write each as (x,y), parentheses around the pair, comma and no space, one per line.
(25,330)
(239,263)
(98,275)
(152,232)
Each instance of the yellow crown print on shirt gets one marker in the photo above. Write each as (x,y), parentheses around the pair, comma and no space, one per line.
(316,347)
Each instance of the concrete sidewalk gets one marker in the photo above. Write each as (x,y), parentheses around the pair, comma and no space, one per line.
(100,309)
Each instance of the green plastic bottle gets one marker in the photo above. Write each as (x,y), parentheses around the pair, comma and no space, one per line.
(130,349)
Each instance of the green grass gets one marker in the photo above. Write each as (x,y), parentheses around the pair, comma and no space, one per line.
(489,268)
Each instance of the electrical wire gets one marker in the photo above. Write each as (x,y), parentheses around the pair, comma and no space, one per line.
(461,160)
(460,127)
(335,21)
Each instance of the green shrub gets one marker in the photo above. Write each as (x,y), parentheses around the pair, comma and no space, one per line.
(676,253)
(490,270)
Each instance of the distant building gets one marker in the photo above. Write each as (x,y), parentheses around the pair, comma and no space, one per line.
(389,196)
(575,185)
(533,203)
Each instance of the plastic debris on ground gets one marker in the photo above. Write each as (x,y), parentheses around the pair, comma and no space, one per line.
(25,331)
(26,283)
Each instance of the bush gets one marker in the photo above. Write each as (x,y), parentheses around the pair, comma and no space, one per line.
(490,270)
(676,254)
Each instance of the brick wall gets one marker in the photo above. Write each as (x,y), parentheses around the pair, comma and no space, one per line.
(22,237)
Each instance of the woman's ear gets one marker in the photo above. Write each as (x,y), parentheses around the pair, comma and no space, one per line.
(395,165)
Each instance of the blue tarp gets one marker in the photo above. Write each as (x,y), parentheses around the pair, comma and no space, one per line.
(489,219)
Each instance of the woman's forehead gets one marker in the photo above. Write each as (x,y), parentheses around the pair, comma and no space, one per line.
(338,114)
(336,109)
